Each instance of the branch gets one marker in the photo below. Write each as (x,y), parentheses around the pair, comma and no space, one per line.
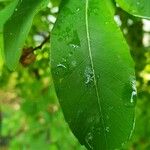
(28,56)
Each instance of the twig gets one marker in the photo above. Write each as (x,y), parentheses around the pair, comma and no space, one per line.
(28,56)
(41,45)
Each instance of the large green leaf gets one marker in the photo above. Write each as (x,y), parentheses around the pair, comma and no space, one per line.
(17,28)
(4,16)
(140,8)
(93,74)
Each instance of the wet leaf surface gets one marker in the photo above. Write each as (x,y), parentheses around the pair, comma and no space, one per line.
(93,74)
(139,8)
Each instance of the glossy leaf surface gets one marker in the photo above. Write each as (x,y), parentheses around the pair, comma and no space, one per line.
(93,74)
(4,16)
(17,28)
(140,8)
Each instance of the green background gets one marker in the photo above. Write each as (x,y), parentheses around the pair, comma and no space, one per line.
(30,116)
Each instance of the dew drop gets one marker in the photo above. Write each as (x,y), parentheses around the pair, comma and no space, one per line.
(107,129)
(73,45)
(74,63)
(89,76)
(134,92)
(89,139)
(78,9)
(62,66)
(75,41)
(133,96)
(64,59)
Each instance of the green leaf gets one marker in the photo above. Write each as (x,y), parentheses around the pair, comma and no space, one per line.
(17,28)
(6,13)
(139,8)
(93,74)
(1,53)
(4,16)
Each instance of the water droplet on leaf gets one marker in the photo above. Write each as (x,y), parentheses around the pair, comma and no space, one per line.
(74,63)
(78,9)
(62,66)
(107,129)
(89,76)
(75,42)
(133,96)
(89,139)
(73,45)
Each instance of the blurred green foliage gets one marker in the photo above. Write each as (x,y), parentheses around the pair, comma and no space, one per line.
(30,116)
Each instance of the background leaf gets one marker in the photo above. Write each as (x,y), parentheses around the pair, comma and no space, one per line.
(4,16)
(93,74)
(17,28)
(140,8)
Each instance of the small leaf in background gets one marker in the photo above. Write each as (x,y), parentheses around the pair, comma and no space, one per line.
(93,74)
(17,28)
(139,8)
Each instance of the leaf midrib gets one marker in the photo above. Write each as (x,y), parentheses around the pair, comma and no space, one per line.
(92,65)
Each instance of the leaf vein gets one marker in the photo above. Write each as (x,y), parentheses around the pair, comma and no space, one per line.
(92,65)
